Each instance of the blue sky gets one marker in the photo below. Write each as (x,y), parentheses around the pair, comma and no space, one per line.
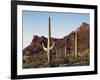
(36,23)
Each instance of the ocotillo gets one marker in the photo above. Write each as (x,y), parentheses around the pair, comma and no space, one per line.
(48,43)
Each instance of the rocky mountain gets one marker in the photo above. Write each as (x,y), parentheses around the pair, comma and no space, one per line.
(68,41)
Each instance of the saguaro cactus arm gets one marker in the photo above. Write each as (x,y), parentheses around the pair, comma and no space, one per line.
(52,45)
(45,49)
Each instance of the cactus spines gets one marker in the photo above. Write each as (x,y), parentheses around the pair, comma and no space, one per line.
(76,54)
(48,43)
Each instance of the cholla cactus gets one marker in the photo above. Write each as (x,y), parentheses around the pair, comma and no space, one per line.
(48,43)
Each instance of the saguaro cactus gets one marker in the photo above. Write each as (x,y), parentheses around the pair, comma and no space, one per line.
(76,54)
(48,43)
(65,52)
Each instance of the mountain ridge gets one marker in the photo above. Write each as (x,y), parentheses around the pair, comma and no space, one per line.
(68,40)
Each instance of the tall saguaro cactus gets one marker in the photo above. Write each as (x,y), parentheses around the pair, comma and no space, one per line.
(48,43)
(76,54)
(65,52)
